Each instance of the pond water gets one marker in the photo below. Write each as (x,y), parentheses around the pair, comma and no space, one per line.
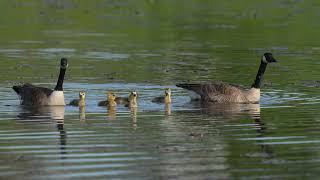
(148,46)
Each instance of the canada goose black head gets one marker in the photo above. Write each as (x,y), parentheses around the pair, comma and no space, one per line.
(63,63)
(268,58)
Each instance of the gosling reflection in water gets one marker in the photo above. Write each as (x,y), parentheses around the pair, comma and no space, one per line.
(167,111)
(133,115)
(82,113)
(112,112)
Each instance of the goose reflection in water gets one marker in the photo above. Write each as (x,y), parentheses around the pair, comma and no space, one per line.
(227,111)
(41,114)
(235,111)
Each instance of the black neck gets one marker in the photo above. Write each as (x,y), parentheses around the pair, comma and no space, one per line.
(262,69)
(59,86)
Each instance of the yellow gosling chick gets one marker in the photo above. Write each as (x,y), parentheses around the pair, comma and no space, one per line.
(110,100)
(132,100)
(163,99)
(79,102)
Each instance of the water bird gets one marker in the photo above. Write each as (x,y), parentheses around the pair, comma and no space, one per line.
(163,99)
(133,100)
(40,96)
(79,102)
(111,97)
(130,101)
(229,93)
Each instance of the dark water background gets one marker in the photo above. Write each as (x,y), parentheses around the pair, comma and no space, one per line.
(148,46)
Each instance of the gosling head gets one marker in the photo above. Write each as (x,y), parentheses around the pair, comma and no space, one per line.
(63,63)
(82,95)
(133,95)
(167,92)
(111,96)
(268,58)
(133,99)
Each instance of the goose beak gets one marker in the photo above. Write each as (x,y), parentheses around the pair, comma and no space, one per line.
(274,60)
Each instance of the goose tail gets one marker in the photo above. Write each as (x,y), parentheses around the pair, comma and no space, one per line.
(17,89)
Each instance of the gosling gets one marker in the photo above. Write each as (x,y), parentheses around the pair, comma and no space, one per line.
(81,101)
(110,100)
(163,99)
(132,100)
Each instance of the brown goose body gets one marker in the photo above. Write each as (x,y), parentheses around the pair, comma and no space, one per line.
(33,95)
(219,92)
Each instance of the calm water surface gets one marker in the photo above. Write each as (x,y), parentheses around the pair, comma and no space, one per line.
(148,46)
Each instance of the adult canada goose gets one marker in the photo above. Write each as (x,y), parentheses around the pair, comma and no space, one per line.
(163,99)
(81,101)
(39,96)
(110,100)
(228,93)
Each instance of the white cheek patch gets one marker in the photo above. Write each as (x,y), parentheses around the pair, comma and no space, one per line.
(264,59)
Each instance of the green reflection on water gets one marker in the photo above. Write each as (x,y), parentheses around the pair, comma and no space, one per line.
(165,42)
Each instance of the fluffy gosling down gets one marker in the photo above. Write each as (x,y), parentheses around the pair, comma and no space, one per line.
(79,102)
(111,97)
(130,101)
(40,96)
(229,93)
(163,99)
